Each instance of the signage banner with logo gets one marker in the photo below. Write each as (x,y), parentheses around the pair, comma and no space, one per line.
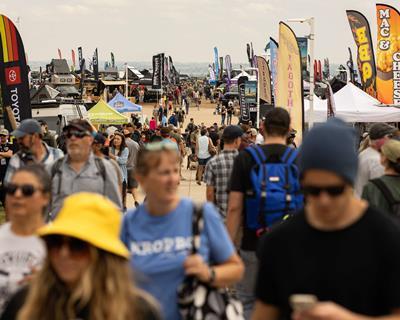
(216,62)
(112,60)
(228,66)
(80,56)
(273,61)
(330,101)
(388,54)
(264,77)
(244,105)
(365,54)
(221,69)
(303,46)
(157,71)
(73,59)
(95,62)
(59,53)
(290,82)
(14,81)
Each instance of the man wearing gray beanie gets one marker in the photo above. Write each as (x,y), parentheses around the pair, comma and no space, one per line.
(336,249)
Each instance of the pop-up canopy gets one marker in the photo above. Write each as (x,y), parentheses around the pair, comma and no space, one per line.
(353,105)
(102,113)
(121,104)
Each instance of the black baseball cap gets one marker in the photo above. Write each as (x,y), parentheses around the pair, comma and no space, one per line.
(232,132)
(27,126)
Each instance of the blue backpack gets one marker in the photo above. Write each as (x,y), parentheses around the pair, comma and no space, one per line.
(275,193)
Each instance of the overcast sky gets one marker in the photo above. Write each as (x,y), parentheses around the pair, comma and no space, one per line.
(185,29)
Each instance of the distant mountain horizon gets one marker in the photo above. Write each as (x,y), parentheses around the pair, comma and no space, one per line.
(189,68)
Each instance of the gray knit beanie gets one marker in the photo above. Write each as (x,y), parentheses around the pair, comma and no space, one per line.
(331,147)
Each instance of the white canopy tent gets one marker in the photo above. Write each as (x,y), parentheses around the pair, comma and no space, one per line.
(353,105)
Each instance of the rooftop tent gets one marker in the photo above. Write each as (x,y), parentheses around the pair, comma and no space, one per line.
(134,73)
(68,91)
(102,113)
(58,66)
(354,105)
(44,92)
(121,104)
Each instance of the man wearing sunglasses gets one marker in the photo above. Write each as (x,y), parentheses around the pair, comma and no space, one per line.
(80,170)
(337,249)
(32,148)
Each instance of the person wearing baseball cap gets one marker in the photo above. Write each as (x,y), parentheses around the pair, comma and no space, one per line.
(370,166)
(218,170)
(384,192)
(80,170)
(86,274)
(32,148)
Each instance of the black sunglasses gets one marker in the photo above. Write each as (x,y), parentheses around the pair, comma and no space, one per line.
(75,246)
(332,191)
(26,189)
(78,134)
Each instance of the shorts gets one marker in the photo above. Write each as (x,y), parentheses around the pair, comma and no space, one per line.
(132,183)
(203,162)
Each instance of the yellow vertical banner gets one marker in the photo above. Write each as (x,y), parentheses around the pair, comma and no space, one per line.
(388,54)
(290,82)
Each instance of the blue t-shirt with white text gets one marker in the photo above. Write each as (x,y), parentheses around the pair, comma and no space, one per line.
(159,246)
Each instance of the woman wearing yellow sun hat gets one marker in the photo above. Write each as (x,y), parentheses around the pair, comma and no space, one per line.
(86,274)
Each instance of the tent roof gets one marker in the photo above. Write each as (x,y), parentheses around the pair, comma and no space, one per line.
(121,104)
(353,105)
(114,82)
(102,113)
(135,72)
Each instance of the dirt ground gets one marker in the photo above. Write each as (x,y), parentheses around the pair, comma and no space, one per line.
(188,186)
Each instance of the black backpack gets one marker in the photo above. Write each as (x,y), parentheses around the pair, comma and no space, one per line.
(389,197)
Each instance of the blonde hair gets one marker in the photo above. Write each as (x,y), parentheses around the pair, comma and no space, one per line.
(106,289)
(149,159)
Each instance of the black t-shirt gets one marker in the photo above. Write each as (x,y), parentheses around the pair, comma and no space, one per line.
(240,182)
(4,162)
(356,267)
(214,138)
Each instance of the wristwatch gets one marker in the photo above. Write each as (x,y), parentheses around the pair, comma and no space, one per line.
(212,275)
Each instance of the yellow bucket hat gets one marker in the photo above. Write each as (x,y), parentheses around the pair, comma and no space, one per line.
(92,218)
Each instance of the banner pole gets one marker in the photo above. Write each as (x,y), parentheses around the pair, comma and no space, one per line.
(258,98)
(311,38)
(126,79)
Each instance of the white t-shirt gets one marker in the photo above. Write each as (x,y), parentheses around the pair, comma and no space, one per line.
(259,139)
(369,167)
(203,147)
(18,255)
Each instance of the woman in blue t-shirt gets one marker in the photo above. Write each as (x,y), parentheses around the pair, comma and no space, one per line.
(159,232)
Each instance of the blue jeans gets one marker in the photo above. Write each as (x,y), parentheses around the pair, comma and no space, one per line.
(245,288)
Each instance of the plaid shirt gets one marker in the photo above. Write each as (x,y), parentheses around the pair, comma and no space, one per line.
(218,174)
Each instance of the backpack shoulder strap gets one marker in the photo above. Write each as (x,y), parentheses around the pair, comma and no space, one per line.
(289,156)
(56,169)
(102,169)
(197,226)
(257,154)
(388,195)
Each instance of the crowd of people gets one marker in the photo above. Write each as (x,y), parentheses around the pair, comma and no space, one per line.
(317,224)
